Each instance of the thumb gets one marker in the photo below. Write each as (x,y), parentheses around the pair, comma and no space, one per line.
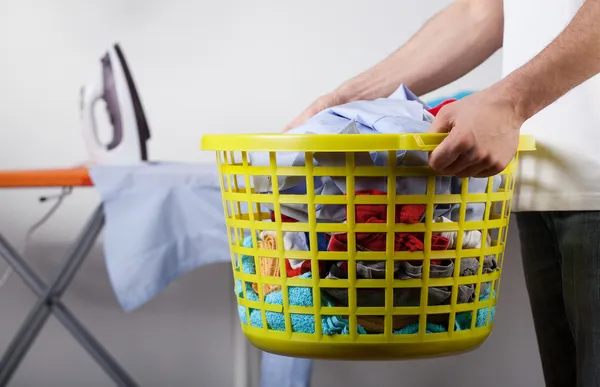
(444,154)
(441,123)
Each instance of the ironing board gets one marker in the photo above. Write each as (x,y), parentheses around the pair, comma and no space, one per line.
(49,294)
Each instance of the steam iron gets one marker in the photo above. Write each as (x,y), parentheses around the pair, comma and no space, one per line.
(130,133)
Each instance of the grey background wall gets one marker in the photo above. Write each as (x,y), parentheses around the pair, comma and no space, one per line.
(201,67)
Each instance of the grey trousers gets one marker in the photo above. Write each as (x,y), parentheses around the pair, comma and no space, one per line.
(561,259)
(281,371)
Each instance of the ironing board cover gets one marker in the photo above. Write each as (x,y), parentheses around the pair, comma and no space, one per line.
(69,177)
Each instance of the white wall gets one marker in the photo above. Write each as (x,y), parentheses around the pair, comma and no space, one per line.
(201,67)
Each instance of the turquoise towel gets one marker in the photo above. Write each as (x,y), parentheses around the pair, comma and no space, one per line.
(330,325)
(303,323)
(461,322)
(298,296)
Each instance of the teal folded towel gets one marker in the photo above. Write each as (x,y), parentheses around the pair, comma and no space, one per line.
(461,322)
(297,295)
(303,323)
(330,325)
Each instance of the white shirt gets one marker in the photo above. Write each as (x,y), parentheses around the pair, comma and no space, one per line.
(564,173)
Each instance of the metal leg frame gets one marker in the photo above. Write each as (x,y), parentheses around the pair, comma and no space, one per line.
(49,302)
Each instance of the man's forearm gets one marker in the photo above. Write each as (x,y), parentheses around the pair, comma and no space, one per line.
(448,46)
(572,58)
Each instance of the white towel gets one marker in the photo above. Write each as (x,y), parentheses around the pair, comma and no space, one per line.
(471,238)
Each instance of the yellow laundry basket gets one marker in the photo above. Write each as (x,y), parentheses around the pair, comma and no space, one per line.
(270,314)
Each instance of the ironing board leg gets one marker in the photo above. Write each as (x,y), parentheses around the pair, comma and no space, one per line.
(49,302)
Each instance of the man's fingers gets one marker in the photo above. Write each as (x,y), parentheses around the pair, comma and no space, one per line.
(467,164)
(471,171)
(442,122)
(316,107)
(301,119)
(494,170)
(446,153)
(292,125)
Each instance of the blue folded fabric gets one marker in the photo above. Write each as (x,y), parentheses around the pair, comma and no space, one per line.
(162,220)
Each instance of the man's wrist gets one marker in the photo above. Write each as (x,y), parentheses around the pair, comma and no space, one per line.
(356,89)
(515,92)
(346,92)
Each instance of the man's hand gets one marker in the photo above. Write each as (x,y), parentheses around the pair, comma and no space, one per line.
(484,127)
(322,103)
(483,135)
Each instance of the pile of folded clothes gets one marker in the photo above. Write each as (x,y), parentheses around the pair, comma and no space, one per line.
(401,113)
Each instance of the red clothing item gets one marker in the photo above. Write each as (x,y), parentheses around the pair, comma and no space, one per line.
(284,218)
(377,213)
(305,267)
(436,109)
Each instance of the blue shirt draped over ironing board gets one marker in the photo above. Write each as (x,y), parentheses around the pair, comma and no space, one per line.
(163,220)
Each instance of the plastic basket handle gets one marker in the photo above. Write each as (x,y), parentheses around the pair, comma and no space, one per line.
(428,142)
